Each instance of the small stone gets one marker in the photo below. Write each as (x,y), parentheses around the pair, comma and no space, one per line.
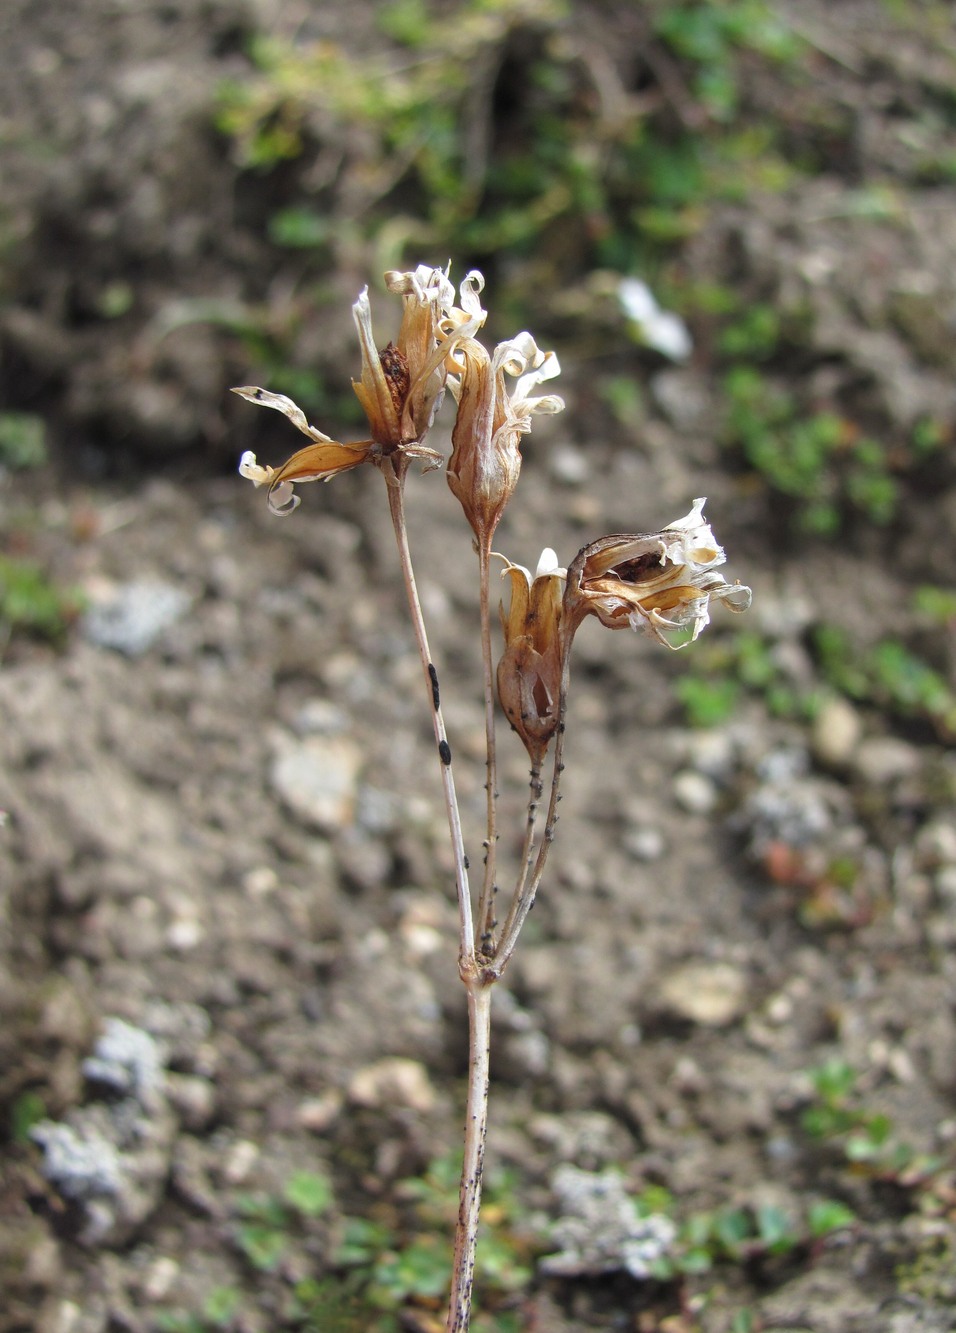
(569,465)
(130,617)
(644,844)
(320,717)
(936,844)
(695,792)
(317,1114)
(881,760)
(836,733)
(393,1082)
(317,779)
(239,1160)
(945,884)
(194,1099)
(684,397)
(711,753)
(160,1278)
(711,994)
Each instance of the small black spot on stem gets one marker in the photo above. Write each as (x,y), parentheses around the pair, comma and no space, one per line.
(444,752)
(433,677)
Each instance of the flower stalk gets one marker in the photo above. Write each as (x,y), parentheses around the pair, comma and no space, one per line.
(661,583)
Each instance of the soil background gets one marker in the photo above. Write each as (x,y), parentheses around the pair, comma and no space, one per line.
(223,871)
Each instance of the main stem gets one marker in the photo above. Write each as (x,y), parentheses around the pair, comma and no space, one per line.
(476,1131)
(478,980)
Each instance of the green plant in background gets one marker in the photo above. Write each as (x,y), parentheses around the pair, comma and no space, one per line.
(218,1312)
(820,460)
(269,1222)
(32,603)
(389,1270)
(937,604)
(866,1139)
(496,131)
(22,441)
(738,1234)
(709,33)
(888,675)
(725,669)
(376,1269)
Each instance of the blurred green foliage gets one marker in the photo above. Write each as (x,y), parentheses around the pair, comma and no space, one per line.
(889,675)
(867,1139)
(725,667)
(497,136)
(33,603)
(499,130)
(22,441)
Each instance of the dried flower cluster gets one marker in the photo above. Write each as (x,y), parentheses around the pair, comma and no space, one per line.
(660,582)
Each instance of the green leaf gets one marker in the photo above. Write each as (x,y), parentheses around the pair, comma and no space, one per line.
(262,1245)
(22,440)
(828,1215)
(775,1229)
(309,1193)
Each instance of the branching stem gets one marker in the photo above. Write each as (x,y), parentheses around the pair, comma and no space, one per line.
(527,888)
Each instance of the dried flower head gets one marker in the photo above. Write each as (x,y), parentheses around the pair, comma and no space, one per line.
(400,390)
(485,459)
(661,582)
(530,670)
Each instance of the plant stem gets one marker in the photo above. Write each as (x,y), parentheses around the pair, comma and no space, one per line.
(525,892)
(394,470)
(485,921)
(476,1129)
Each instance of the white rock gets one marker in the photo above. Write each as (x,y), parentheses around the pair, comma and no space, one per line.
(695,792)
(393,1082)
(711,994)
(317,779)
(880,760)
(644,844)
(836,733)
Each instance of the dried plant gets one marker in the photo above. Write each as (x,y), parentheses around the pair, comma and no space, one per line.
(660,582)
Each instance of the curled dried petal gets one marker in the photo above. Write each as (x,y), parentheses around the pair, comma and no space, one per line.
(661,582)
(284,405)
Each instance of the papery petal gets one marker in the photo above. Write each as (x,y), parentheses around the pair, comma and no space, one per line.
(425,284)
(284,405)
(472,285)
(251,470)
(548,564)
(737,597)
(372,390)
(692,520)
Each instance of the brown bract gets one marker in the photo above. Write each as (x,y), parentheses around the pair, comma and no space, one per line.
(531,667)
